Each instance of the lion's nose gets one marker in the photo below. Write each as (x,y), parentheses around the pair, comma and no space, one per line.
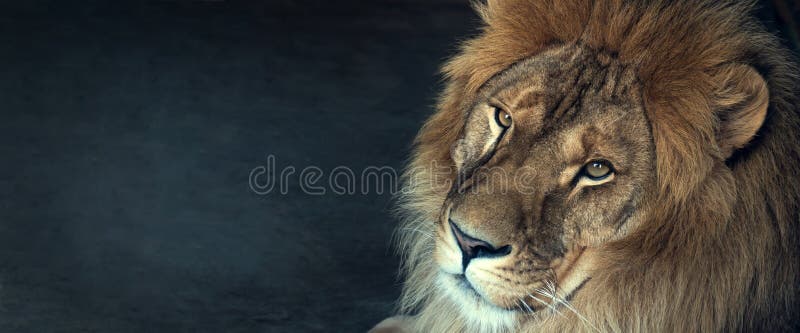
(472,247)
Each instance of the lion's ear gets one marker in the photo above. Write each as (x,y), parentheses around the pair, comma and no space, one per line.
(740,103)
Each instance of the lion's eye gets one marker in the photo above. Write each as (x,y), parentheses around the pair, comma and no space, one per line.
(597,170)
(502,118)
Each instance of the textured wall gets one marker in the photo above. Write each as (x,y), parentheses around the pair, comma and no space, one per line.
(128,132)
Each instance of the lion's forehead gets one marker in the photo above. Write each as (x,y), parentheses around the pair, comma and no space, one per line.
(565,82)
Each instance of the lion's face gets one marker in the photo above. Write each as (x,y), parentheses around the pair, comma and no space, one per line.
(556,157)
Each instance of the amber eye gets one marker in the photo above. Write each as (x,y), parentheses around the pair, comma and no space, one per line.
(597,170)
(502,118)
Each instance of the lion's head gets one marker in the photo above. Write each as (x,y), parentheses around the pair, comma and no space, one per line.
(607,165)
(556,156)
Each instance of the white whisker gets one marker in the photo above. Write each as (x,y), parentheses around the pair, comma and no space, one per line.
(547,304)
(556,297)
(526,306)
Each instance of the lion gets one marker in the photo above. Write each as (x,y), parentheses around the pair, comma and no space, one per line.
(606,165)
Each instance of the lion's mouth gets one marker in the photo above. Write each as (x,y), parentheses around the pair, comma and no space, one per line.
(464,288)
(565,277)
(467,290)
(463,284)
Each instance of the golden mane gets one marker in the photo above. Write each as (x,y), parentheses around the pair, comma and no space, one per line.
(721,253)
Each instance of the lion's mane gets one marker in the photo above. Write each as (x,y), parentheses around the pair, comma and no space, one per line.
(721,250)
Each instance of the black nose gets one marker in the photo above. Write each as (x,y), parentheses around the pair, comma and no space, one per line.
(472,247)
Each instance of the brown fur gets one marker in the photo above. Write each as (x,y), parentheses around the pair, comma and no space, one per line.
(718,249)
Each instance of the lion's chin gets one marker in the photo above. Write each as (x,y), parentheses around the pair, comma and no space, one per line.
(462,291)
(480,314)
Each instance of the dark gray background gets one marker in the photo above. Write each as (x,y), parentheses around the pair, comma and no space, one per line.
(128,132)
